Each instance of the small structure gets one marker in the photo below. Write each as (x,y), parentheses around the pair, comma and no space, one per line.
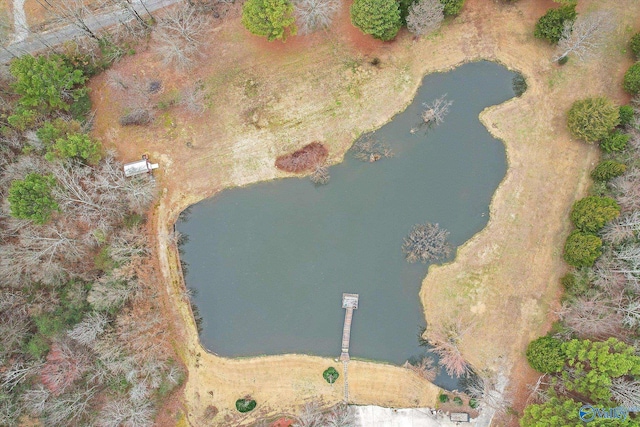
(139,167)
(460,417)
(350,302)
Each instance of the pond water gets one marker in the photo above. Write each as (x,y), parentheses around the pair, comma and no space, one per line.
(269,262)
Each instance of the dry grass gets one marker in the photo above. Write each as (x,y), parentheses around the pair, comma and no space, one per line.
(266,99)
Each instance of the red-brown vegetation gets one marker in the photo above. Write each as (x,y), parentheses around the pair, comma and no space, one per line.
(305,159)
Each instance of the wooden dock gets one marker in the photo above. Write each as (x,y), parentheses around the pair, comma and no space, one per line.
(350,303)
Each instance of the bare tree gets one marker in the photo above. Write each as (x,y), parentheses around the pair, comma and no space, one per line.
(584,36)
(370,149)
(66,409)
(627,189)
(110,292)
(489,392)
(426,242)
(340,416)
(126,412)
(625,227)
(445,340)
(35,399)
(320,175)
(180,35)
(626,392)
(74,12)
(592,317)
(425,16)
(18,372)
(89,328)
(434,113)
(315,14)
(65,364)
(425,368)
(194,98)
(311,416)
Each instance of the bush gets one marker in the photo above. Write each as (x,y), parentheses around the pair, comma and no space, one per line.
(631,82)
(31,198)
(626,115)
(380,18)
(582,249)
(473,403)
(37,347)
(590,214)
(551,24)
(608,169)
(58,128)
(614,142)
(78,146)
(563,60)
(575,285)
(444,398)
(81,107)
(519,84)
(272,19)
(304,159)
(458,401)
(545,355)
(592,119)
(245,404)
(634,45)
(452,7)
(137,117)
(330,375)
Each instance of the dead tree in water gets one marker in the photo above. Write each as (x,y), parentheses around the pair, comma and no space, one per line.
(320,175)
(434,113)
(426,242)
(369,149)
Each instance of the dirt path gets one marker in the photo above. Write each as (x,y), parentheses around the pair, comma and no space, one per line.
(266,99)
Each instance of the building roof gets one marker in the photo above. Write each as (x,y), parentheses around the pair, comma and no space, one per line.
(138,167)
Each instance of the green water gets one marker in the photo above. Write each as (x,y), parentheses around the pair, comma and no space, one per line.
(269,262)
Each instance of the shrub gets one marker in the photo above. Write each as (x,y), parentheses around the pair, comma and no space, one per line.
(590,214)
(37,346)
(330,375)
(519,84)
(58,128)
(304,159)
(631,82)
(473,403)
(444,398)
(608,169)
(137,117)
(615,141)
(545,355)
(379,18)
(458,401)
(582,249)
(452,7)
(592,119)
(626,115)
(563,60)
(45,83)
(634,45)
(78,145)
(272,19)
(245,404)
(81,107)
(31,198)
(551,24)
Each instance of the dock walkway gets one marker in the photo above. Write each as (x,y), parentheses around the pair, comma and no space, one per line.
(350,302)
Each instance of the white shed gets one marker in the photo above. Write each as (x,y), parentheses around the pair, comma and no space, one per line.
(139,167)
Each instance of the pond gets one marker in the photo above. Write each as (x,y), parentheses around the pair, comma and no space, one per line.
(269,262)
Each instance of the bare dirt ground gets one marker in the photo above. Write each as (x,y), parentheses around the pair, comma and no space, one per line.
(266,99)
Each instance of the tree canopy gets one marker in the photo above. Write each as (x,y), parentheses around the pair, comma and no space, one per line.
(552,23)
(631,81)
(595,364)
(545,355)
(592,119)
(77,145)
(379,18)
(582,249)
(591,213)
(272,19)
(452,7)
(46,83)
(31,198)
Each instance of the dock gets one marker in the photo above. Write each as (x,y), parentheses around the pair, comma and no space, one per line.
(350,303)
